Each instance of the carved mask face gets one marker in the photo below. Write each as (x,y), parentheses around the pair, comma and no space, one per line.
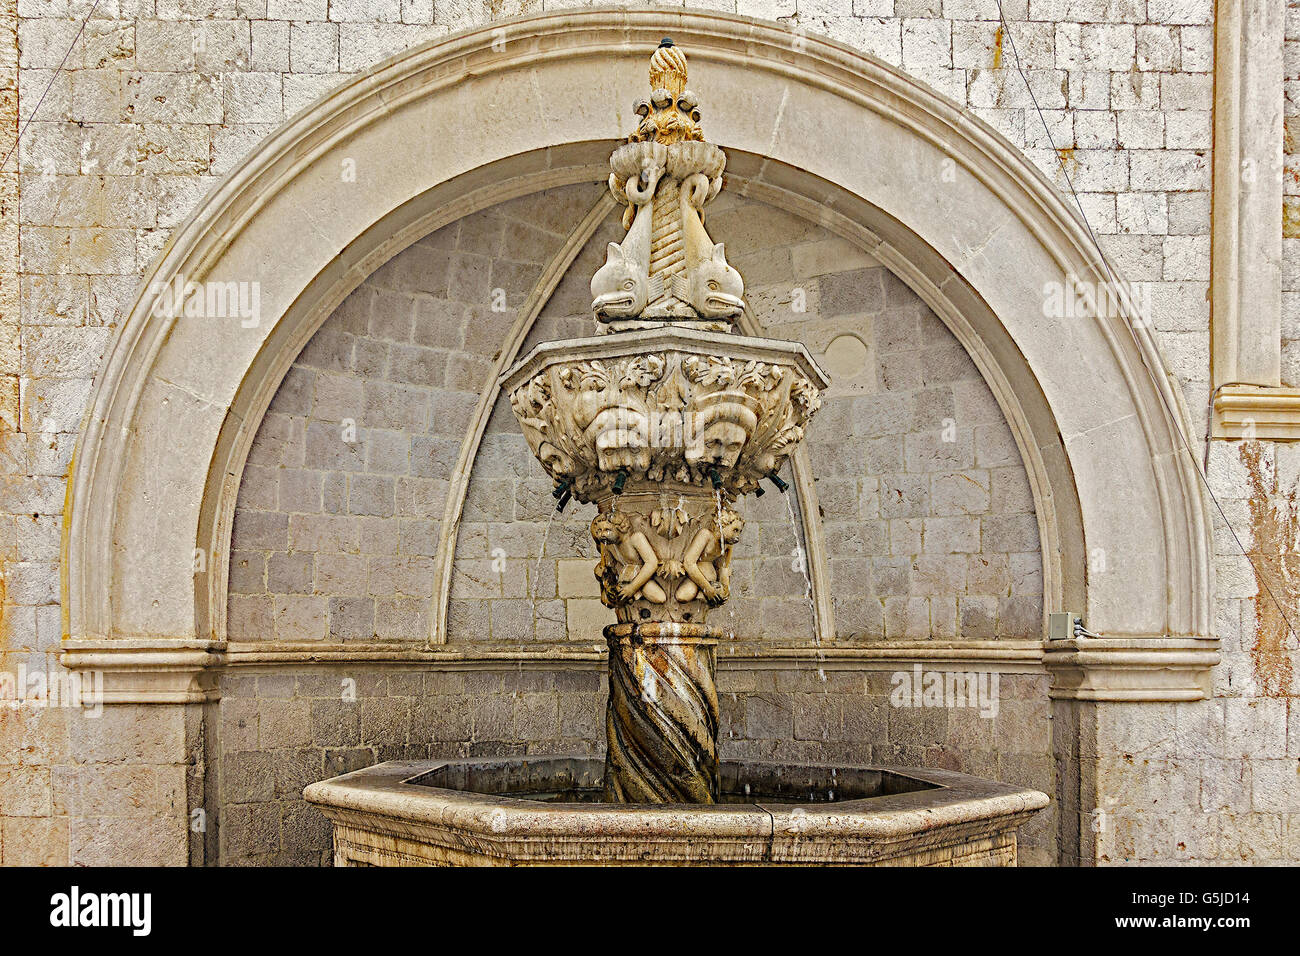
(719,443)
(556,462)
(722,429)
(621,437)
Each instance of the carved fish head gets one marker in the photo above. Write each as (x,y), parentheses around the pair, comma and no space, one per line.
(619,288)
(716,287)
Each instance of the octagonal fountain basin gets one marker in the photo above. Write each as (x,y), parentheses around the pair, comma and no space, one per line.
(540,811)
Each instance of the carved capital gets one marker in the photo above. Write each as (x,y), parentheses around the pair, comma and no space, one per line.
(675,407)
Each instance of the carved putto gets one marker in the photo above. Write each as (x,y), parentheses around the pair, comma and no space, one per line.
(665,562)
(667,268)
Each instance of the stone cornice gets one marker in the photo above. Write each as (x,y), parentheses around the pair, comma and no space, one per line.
(1252,411)
(183,672)
(1100,669)
(1130,669)
(149,671)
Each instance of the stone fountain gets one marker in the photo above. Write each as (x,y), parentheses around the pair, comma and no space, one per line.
(663,419)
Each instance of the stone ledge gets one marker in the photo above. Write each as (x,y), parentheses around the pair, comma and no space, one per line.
(154,671)
(1256,411)
(1103,669)
(1003,656)
(149,671)
(1131,669)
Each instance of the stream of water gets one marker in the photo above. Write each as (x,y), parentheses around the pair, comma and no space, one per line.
(801,559)
(537,567)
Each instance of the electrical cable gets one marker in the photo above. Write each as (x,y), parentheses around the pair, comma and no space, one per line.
(1173,418)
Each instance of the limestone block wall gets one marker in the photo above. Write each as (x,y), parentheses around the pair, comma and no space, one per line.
(281,731)
(338,516)
(926,512)
(1291,202)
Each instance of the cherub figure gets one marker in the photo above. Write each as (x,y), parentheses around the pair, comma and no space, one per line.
(707,561)
(627,561)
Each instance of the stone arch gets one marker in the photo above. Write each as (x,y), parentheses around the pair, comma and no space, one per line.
(808,124)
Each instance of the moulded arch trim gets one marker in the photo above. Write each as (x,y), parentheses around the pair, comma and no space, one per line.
(157,449)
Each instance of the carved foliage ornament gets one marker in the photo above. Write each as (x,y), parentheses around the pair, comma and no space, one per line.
(664,416)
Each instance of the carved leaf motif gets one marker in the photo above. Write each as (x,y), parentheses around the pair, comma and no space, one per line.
(643,371)
(587,376)
(788,437)
(806,395)
(761,374)
(530,403)
(713,370)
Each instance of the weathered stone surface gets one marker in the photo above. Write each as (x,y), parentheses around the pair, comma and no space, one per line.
(1156,102)
(403,813)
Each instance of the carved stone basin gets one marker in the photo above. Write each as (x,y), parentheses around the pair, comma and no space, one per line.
(546,811)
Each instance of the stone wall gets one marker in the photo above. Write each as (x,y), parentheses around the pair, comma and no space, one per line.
(339,509)
(281,731)
(1291,200)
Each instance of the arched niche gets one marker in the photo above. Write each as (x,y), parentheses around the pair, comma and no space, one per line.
(471,120)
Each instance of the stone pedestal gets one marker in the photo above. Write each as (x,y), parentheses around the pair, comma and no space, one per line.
(663,429)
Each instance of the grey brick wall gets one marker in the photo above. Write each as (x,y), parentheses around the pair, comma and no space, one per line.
(281,732)
(337,520)
(926,509)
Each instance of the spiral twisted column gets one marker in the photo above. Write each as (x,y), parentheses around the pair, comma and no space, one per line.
(662,718)
(667,241)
